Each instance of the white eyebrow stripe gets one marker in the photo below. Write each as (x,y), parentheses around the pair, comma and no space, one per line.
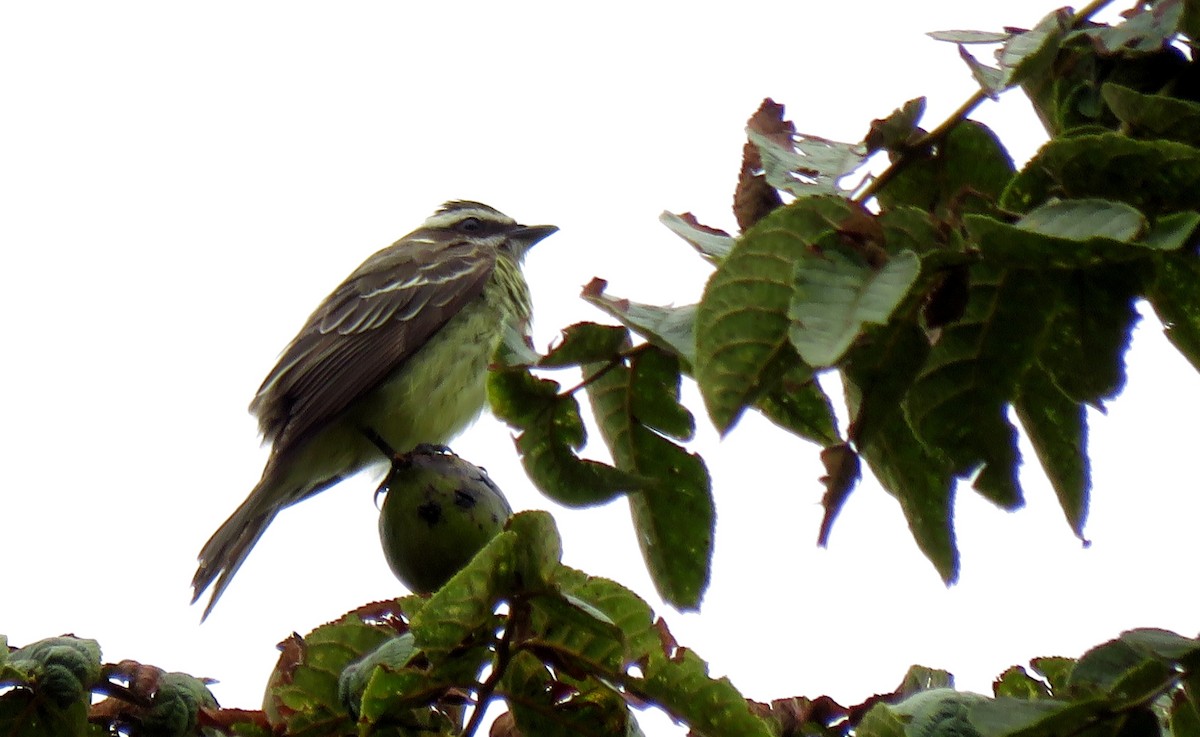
(442,219)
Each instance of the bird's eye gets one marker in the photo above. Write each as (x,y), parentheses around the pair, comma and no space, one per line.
(470,225)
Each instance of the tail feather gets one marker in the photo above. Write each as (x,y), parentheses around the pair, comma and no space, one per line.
(228,548)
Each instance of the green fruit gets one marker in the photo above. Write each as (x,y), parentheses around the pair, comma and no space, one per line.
(440,511)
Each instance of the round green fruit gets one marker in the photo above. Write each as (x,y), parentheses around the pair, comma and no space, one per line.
(440,511)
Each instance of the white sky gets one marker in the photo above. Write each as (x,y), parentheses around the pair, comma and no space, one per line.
(183,183)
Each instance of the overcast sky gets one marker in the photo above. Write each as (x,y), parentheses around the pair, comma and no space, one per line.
(183,183)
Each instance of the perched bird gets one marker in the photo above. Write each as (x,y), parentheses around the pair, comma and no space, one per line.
(395,357)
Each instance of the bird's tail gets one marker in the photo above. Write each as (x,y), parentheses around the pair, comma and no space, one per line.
(227,549)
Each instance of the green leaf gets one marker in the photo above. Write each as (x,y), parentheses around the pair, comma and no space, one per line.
(742,323)
(1154,116)
(538,549)
(552,432)
(798,404)
(1102,667)
(1056,670)
(654,394)
(877,375)
(1156,177)
(1028,54)
(836,293)
(1082,220)
(670,328)
(1057,428)
(465,604)
(586,342)
(625,609)
(1085,345)
(1176,301)
(880,721)
(1146,30)
(1017,683)
(898,130)
(1172,232)
(807,166)
(673,510)
(711,243)
(1018,247)
(1009,717)
(957,405)
(310,698)
(539,707)
(1165,645)
(681,686)
(573,638)
(1184,718)
(966,173)
(842,472)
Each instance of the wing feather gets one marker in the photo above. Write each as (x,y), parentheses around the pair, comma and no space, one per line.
(365,330)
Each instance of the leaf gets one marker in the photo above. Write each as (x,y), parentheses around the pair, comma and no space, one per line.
(547,706)
(1056,671)
(842,472)
(671,328)
(1019,247)
(898,130)
(1154,116)
(1184,717)
(711,243)
(625,609)
(800,164)
(1156,177)
(798,404)
(573,639)
(1176,301)
(880,721)
(1081,220)
(311,695)
(957,404)
(681,686)
(991,80)
(1017,683)
(877,374)
(586,342)
(970,37)
(1028,54)
(742,324)
(1085,345)
(1009,717)
(551,433)
(1057,428)
(836,293)
(1145,30)
(466,602)
(673,509)
(966,173)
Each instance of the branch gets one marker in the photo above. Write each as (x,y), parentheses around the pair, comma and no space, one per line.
(938,134)
(488,688)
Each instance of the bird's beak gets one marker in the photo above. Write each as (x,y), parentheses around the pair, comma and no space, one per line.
(525,236)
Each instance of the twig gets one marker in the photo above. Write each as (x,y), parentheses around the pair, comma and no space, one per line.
(488,688)
(936,135)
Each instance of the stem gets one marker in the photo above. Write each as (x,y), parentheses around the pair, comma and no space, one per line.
(612,363)
(488,688)
(939,133)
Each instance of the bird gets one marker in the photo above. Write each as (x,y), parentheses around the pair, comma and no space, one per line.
(395,357)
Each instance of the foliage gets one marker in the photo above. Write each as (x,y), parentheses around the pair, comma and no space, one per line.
(957,300)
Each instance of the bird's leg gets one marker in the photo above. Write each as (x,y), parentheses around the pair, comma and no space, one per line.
(378,441)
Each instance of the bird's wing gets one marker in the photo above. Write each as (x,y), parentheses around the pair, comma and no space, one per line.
(371,324)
